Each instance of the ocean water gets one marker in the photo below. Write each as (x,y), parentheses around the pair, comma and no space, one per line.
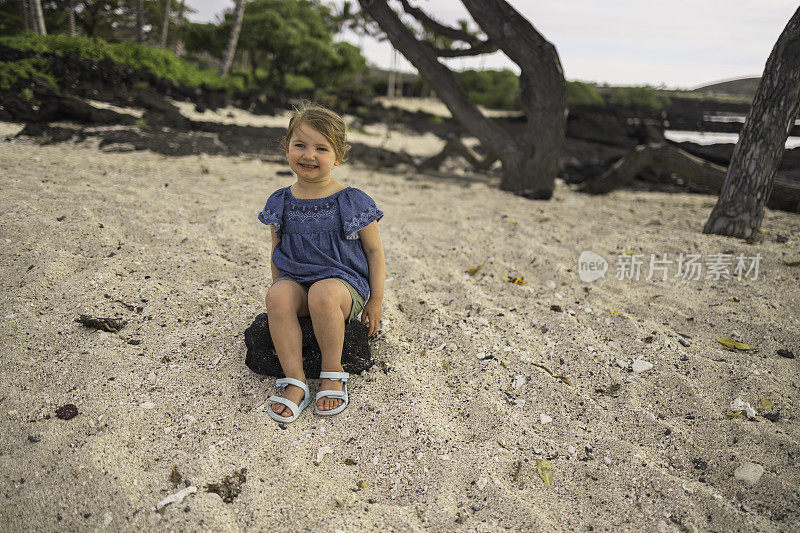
(715,138)
(719,138)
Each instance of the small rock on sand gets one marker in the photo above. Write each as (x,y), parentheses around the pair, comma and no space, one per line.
(640,366)
(750,473)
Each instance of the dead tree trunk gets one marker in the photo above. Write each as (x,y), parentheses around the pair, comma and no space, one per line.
(530,161)
(233,40)
(748,184)
(664,157)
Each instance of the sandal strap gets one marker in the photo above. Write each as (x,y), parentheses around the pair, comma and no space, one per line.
(339,376)
(331,394)
(288,403)
(282,382)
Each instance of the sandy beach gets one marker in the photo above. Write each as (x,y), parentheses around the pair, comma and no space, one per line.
(477,378)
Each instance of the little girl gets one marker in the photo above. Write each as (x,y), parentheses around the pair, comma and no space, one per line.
(327,261)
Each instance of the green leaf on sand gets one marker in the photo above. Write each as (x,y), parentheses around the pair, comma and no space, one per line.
(545,470)
(734,344)
(765,404)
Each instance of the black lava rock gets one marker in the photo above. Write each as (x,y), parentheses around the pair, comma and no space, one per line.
(262,359)
(67,411)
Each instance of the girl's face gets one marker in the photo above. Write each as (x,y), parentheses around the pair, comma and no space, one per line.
(311,156)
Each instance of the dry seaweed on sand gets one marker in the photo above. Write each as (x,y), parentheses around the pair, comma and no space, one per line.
(112,325)
(229,488)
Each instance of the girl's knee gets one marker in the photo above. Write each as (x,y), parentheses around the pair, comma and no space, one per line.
(324,295)
(281,298)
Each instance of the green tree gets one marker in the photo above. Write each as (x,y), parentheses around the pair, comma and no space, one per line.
(293,37)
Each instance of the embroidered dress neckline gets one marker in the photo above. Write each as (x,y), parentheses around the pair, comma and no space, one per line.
(293,197)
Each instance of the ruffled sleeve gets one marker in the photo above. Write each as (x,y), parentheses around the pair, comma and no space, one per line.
(357,210)
(272,214)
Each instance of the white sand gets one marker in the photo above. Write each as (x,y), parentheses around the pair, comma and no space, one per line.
(438,438)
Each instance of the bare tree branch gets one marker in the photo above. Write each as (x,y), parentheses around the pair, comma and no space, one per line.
(437,27)
(447,87)
(665,157)
(484,47)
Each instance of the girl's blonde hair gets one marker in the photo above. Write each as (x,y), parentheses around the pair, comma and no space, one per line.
(325,121)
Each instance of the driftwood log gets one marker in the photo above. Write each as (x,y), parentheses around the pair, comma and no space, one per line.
(662,156)
(454,146)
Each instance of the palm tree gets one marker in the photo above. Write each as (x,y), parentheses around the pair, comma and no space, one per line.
(165,25)
(230,51)
(71,16)
(38,17)
(139,16)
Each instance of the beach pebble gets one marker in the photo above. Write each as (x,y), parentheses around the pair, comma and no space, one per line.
(545,419)
(151,377)
(482,482)
(147,405)
(551,284)
(615,345)
(520,402)
(622,364)
(481,355)
(572,450)
(640,366)
(650,417)
(482,321)
(321,453)
(519,381)
(107,518)
(607,460)
(405,433)
(750,473)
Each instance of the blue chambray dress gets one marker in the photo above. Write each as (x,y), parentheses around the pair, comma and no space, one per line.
(319,236)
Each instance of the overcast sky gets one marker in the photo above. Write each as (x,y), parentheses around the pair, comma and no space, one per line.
(677,43)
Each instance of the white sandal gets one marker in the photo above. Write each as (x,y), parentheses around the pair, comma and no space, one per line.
(296,409)
(342,394)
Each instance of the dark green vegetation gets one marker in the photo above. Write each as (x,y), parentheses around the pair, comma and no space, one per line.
(298,53)
(491,88)
(158,61)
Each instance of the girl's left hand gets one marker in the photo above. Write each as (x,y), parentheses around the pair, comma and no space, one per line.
(372,314)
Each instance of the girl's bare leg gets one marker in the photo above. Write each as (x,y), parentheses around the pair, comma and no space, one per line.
(286,300)
(329,304)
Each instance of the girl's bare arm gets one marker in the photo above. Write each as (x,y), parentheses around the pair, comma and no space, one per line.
(373,249)
(275,241)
